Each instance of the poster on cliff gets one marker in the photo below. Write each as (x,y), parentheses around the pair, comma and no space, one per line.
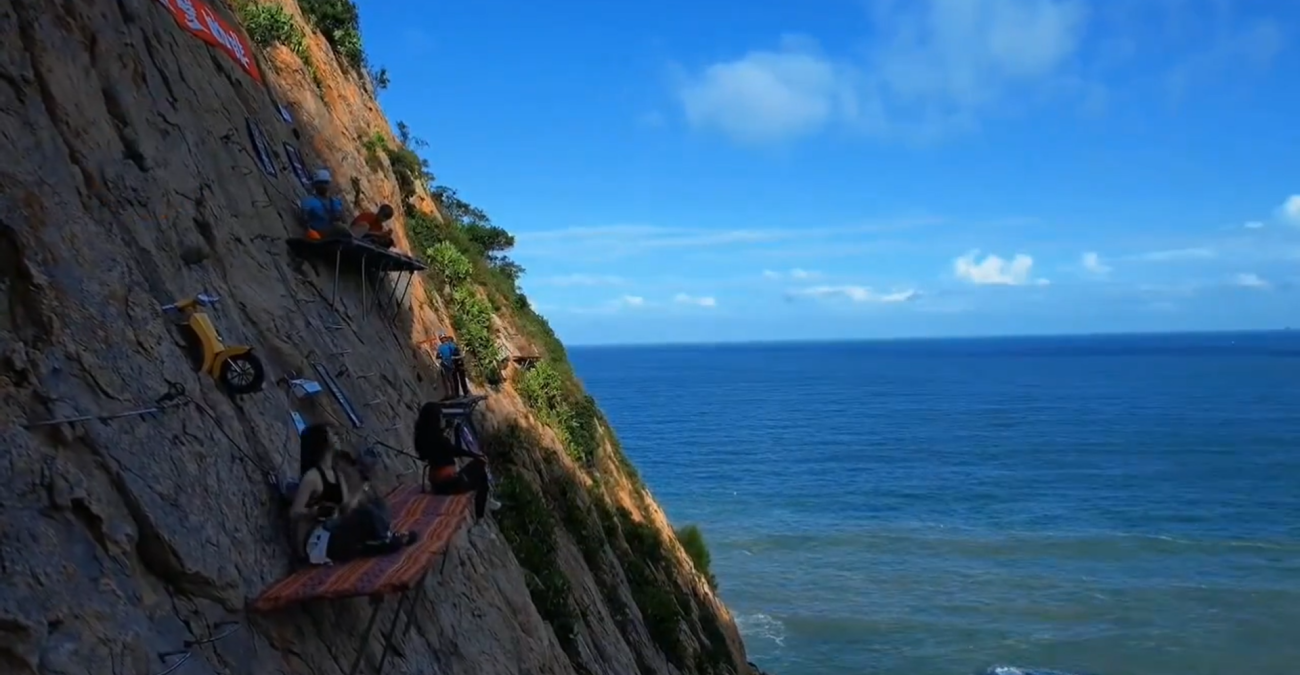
(199,19)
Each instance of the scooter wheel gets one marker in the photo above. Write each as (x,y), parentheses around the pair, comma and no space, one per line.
(242,374)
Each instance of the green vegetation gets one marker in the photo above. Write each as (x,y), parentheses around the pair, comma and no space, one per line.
(530,528)
(564,408)
(455,268)
(411,170)
(472,317)
(466,249)
(339,22)
(376,146)
(654,587)
(270,24)
(379,78)
(692,540)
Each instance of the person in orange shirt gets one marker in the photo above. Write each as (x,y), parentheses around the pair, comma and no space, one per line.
(376,232)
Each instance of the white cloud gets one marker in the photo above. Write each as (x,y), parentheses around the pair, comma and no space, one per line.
(768,95)
(1289,211)
(631,301)
(1093,264)
(1171,255)
(698,301)
(857,294)
(797,274)
(581,280)
(1250,280)
(996,271)
(1253,225)
(935,65)
(603,243)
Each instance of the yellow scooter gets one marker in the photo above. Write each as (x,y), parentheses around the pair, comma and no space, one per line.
(234,367)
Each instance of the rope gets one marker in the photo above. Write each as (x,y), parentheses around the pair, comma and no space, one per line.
(187,649)
(238,448)
(174,397)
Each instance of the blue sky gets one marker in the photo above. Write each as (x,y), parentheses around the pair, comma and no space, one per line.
(719,170)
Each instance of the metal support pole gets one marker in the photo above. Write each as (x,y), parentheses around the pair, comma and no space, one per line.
(377,300)
(405,289)
(365,635)
(392,290)
(407,601)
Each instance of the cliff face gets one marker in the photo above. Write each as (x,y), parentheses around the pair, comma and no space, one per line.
(130,181)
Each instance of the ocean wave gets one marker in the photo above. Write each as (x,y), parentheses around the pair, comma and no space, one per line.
(1014,670)
(761,627)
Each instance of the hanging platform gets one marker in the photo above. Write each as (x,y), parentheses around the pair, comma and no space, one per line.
(436,520)
(366,258)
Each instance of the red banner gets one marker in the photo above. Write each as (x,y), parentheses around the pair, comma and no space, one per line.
(199,19)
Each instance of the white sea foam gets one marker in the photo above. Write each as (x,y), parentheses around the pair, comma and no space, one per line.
(761,627)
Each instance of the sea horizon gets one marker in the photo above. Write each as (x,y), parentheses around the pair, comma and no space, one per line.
(929,338)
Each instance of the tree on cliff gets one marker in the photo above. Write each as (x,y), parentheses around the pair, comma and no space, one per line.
(492,241)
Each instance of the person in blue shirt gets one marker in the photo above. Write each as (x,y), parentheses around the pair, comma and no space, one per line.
(320,213)
(456,384)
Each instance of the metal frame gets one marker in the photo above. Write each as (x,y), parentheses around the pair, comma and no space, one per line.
(406,602)
(374,302)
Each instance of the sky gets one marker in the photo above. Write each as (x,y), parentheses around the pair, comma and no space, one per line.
(717,170)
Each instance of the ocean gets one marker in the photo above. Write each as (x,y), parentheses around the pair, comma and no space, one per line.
(1111,505)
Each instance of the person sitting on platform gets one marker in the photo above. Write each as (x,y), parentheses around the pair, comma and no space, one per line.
(452,360)
(376,232)
(440,454)
(331,525)
(320,213)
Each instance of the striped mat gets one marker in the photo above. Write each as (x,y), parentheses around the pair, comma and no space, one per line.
(435,518)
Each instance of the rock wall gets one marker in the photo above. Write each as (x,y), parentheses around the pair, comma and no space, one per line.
(130,181)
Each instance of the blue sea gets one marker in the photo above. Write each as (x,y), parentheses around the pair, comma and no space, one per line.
(1121,505)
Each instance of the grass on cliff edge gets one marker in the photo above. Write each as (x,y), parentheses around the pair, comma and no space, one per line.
(269,24)
(692,540)
(340,23)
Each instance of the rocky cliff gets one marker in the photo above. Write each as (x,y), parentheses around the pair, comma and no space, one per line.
(131,179)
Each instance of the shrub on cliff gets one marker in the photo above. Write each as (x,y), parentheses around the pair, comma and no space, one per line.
(472,317)
(564,408)
(692,540)
(340,23)
(454,267)
(270,24)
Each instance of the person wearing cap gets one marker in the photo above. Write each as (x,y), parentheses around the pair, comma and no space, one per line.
(374,221)
(453,367)
(321,213)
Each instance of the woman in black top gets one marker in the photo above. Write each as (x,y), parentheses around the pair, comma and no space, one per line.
(330,523)
(433,446)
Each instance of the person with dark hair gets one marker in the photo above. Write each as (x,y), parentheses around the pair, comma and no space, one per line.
(330,524)
(376,231)
(440,454)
